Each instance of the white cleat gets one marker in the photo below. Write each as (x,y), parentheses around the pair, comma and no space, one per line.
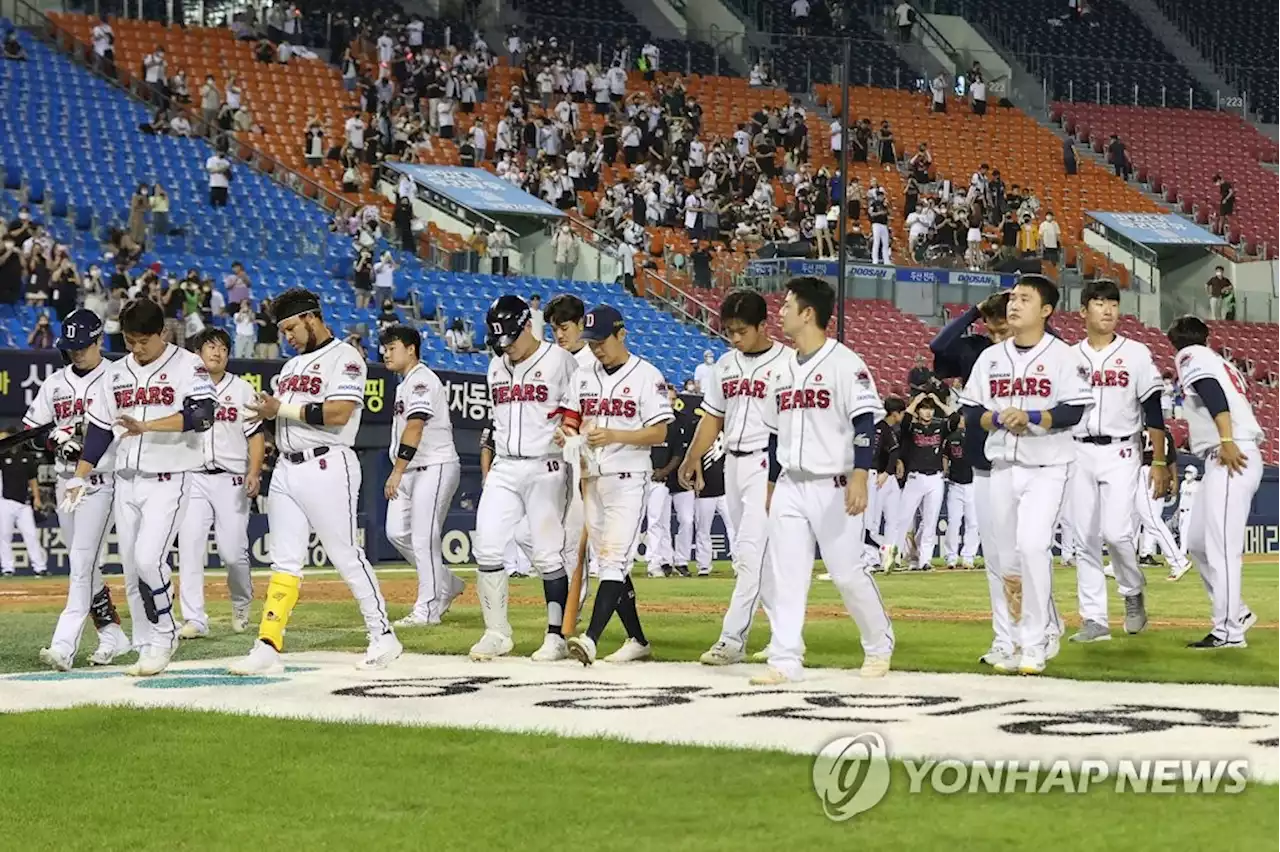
(261,659)
(1052,646)
(1247,620)
(1001,659)
(1030,665)
(240,620)
(774,677)
(583,649)
(54,660)
(553,649)
(491,646)
(456,588)
(383,651)
(630,652)
(825,575)
(417,619)
(112,645)
(875,665)
(1007,664)
(1176,572)
(722,654)
(152,659)
(191,630)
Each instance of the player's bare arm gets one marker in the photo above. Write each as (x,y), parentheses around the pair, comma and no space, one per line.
(409,440)
(332,412)
(709,426)
(257,457)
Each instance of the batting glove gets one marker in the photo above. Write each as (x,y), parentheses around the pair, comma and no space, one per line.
(76,489)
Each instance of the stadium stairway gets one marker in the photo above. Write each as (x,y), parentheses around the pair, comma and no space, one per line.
(282,239)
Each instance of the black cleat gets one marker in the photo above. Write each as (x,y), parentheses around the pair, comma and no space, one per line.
(683,570)
(1212,642)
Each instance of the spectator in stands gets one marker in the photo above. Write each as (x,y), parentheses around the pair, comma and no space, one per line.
(1226,204)
(41,337)
(1229,303)
(159,203)
(500,247)
(537,319)
(388,316)
(268,335)
(139,207)
(458,339)
(565,246)
(179,90)
(905,17)
(180,126)
(155,73)
(1050,234)
(1118,156)
(1028,236)
(13,48)
(878,211)
(384,277)
(237,284)
(104,40)
(362,277)
(219,169)
(1167,393)
(1069,165)
(886,146)
(978,93)
(350,70)
(920,377)
(938,92)
(210,104)
(704,375)
(64,282)
(800,16)
(1216,288)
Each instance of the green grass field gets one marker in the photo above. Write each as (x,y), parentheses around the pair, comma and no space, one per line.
(95,778)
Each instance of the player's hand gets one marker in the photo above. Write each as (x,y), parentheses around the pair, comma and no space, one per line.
(1161,481)
(392,486)
(855,494)
(1014,420)
(599,437)
(131,426)
(264,407)
(1229,454)
(900,470)
(558,437)
(690,475)
(882,478)
(74,493)
(252,485)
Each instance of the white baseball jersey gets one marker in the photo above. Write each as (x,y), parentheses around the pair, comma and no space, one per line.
(1122,375)
(1201,362)
(422,393)
(152,392)
(585,357)
(226,445)
(738,393)
(526,397)
(63,400)
(1048,374)
(1187,495)
(630,397)
(812,406)
(336,371)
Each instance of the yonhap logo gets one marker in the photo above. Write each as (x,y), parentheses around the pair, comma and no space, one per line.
(851,775)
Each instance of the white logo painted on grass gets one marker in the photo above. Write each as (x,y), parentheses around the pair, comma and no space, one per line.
(851,775)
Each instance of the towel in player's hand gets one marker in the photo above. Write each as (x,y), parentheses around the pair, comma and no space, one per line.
(76,490)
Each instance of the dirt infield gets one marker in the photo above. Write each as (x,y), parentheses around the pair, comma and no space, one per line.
(22,594)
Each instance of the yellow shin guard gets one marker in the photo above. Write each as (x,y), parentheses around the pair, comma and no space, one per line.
(282,596)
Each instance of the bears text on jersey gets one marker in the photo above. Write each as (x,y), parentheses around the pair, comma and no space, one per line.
(310,385)
(788,399)
(608,407)
(753,388)
(129,397)
(1110,379)
(1021,386)
(507,394)
(64,409)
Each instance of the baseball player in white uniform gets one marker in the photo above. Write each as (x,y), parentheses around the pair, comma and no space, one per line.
(517,559)
(424,474)
(529,383)
(733,410)
(153,404)
(1150,510)
(316,407)
(1027,393)
(234,450)
(1226,435)
(618,410)
(884,493)
(1186,500)
(1126,392)
(823,406)
(63,399)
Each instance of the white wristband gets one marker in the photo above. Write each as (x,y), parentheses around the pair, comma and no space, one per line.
(289,411)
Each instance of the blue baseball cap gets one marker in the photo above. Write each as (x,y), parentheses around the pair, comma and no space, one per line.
(81,329)
(601,322)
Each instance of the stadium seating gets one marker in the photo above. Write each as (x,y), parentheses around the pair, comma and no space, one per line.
(1177,153)
(280,237)
(1098,59)
(1240,37)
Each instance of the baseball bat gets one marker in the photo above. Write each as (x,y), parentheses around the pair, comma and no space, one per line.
(39,433)
(575,586)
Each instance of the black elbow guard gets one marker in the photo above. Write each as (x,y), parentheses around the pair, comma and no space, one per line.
(197,415)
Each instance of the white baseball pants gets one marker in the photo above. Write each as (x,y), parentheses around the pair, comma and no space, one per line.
(682,549)
(1001,619)
(615,510)
(1151,516)
(1184,524)
(880,244)
(415,525)
(20,515)
(84,534)
(519,553)
(537,489)
(321,494)
(1025,502)
(149,508)
(704,515)
(805,511)
(882,506)
(961,544)
(657,547)
(923,491)
(1215,539)
(746,489)
(217,500)
(1104,477)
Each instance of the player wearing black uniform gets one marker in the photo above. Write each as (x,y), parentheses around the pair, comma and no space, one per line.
(1155,532)
(710,500)
(884,493)
(679,434)
(922,435)
(961,542)
(18,472)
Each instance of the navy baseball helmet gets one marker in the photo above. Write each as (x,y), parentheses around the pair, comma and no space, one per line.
(601,322)
(81,329)
(507,317)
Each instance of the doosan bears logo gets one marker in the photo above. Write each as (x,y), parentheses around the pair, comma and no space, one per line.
(753,388)
(1110,379)
(527,392)
(310,385)
(130,397)
(609,407)
(66,409)
(1029,386)
(351,368)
